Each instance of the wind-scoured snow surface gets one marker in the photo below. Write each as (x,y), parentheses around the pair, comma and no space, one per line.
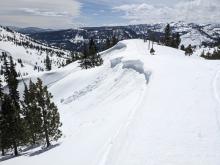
(136,109)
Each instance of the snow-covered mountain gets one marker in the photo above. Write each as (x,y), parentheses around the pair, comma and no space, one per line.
(29,30)
(29,54)
(135,109)
(73,39)
(191,33)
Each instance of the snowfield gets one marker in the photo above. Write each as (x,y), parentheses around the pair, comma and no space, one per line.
(136,109)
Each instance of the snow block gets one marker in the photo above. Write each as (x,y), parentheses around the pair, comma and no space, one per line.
(138,66)
(115,61)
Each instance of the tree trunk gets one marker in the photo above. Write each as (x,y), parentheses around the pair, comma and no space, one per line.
(3,152)
(45,129)
(47,137)
(15,149)
(33,140)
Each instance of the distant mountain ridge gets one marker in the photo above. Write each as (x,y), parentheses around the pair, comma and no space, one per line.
(29,30)
(73,39)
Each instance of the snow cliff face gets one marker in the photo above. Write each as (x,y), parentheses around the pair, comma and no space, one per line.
(31,52)
(135,109)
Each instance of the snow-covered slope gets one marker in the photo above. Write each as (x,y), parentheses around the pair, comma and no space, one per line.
(136,109)
(32,53)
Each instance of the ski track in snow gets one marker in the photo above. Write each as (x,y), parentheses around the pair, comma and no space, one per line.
(122,128)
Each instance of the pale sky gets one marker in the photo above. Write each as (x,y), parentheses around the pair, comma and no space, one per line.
(74,13)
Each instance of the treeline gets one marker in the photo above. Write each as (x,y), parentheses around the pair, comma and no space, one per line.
(28,44)
(110,42)
(90,57)
(212,56)
(34,119)
(171,39)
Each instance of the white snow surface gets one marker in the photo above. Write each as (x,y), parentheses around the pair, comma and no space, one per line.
(30,57)
(111,116)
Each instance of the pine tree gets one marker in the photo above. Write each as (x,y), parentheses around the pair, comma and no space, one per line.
(107,44)
(152,51)
(13,83)
(182,47)
(171,39)
(167,35)
(48,63)
(188,50)
(114,41)
(6,70)
(203,54)
(85,61)
(16,132)
(90,56)
(1,92)
(94,57)
(32,114)
(178,40)
(2,131)
(6,119)
(97,60)
(51,118)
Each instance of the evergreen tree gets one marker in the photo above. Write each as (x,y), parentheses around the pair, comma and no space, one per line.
(188,50)
(114,41)
(167,35)
(97,60)
(107,44)
(152,51)
(182,47)
(212,56)
(6,123)
(90,56)
(85,61)
(48,63)
(51,118)
(32,114)
(6,70)
(94,57)
(13,83)
(1,93)
(203,54)
(16,133)
(2,128)
(178,40)
(171,39)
